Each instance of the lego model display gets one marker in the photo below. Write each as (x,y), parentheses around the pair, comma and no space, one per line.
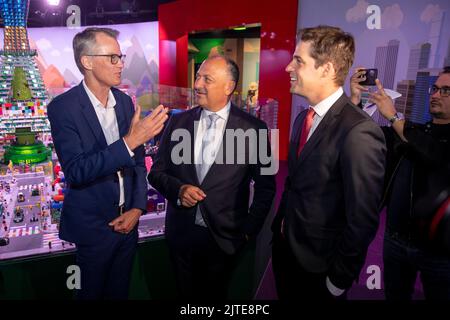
(32,184)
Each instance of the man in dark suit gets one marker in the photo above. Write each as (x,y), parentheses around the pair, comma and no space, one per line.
(208,217)
(328,214)
(99,141)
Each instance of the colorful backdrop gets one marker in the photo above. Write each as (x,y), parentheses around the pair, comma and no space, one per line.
(55,54)
(408,41)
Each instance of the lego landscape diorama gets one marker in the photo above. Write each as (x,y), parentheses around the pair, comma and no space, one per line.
(32,184)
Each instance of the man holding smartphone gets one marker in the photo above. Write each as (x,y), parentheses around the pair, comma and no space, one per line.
(418,160)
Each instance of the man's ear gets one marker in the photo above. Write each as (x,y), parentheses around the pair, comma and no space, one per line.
(229,87)
(328,70)
(86,62)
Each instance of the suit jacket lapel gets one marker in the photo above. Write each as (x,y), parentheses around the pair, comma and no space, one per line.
(232,123)
(91,117)
(295,137)
(193,119)
(121,117)
(323,129)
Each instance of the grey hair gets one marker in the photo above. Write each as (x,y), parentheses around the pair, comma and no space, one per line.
(85,40)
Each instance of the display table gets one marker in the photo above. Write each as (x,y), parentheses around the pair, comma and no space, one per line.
(45,277)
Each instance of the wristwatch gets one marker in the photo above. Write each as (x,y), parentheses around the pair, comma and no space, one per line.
(394,118)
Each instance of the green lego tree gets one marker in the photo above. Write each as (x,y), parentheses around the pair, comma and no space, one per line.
(20,88)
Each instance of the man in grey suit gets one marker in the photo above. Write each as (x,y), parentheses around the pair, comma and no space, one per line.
(328,214)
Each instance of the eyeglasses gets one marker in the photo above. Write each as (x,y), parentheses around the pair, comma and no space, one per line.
(444,91)
(114,57)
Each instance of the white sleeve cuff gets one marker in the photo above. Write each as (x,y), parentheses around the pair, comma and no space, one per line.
(335,291)
(129,150)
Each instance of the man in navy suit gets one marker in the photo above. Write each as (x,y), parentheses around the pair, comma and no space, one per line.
(208,219)
(99,141)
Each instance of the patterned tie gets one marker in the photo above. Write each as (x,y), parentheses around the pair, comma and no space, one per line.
(307,123)
(208,152)
(208,155)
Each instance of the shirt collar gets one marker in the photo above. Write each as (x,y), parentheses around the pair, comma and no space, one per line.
(222,113)
(323,106)
(96,103)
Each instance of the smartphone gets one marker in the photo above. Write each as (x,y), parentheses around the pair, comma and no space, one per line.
(371,75)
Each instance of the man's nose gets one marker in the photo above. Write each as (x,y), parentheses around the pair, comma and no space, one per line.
(288,68)
(198,83)
(120,63)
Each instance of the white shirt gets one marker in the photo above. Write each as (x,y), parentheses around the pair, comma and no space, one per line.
(213,146)
(202,126)
(108,121)
(322,108)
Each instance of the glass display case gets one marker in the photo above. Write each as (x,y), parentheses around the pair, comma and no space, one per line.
(32,184)
(31,199)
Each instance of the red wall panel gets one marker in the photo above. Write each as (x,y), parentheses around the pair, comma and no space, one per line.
(278,31)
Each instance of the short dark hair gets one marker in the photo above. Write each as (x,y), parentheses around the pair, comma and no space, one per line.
(233,68)
(330,44)
(85,40)
(445,70)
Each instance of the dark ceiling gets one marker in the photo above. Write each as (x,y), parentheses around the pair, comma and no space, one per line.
(94,12)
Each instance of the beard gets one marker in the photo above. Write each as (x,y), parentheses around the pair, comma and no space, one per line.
(437,111)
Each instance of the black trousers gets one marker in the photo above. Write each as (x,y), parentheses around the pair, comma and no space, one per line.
(294,282)
(402,263)
(202,269)
(106,267)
